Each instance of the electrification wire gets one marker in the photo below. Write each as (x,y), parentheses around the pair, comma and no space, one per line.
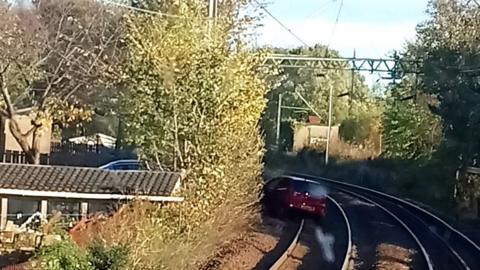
(145,10)
(281,24)
(334,27)
(140,9)
(320,10)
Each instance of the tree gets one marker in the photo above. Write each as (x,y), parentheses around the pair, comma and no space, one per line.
(56,55)
(448,45)
(410,131)
(195,95)
(314,84)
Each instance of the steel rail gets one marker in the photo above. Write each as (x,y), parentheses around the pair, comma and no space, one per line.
(348,253)
(410,205)
(280,261)
(399,220)
(347,257)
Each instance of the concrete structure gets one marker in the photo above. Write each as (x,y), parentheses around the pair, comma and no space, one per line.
(307,134)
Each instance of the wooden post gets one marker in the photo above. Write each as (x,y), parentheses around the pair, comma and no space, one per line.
(44,208)
(3,213)
(84,209)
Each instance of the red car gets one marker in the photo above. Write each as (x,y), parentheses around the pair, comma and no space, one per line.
(293,193)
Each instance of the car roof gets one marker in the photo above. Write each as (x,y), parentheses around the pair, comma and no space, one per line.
(298,179)
(295,178)
(121,161)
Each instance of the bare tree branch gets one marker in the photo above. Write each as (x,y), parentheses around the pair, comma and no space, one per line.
(30,131)
(6,94)
(3,112)
(24,110)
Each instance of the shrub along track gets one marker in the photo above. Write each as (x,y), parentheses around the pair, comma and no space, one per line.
(441,245)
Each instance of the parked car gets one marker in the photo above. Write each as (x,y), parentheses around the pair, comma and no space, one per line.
(292,193)
(125,165)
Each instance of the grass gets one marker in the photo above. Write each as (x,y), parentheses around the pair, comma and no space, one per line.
(151,247)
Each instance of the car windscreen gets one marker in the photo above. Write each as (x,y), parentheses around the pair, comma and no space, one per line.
(315,190)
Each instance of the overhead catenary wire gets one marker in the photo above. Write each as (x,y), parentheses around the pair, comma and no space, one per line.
(281,24)
(337,19)
(153,12)
(141,9)
(321,9)
(184,17)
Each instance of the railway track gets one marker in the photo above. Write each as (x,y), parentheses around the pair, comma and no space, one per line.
(310,247)
(373,227)
(438,245)
(365,232)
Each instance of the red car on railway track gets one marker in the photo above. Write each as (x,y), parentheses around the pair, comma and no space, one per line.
(292,193)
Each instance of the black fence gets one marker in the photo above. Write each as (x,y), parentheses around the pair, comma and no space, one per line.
(69,147)
(70,154)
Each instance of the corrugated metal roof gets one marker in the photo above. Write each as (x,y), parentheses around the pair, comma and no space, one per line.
(86,180)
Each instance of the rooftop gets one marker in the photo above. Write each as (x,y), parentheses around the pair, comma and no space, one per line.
(75,181)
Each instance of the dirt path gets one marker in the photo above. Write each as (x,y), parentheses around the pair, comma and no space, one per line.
(250,251)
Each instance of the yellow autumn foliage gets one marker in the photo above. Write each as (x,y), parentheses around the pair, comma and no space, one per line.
(195,96)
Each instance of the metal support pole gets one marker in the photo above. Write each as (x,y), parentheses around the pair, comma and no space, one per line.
(212,8)
(330,102)
(306,103)
(279,120)
(352,87)
(212,14)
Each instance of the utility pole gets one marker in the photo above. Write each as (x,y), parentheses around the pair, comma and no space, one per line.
(212,8)
(330,102)
(307,103)
(212,15)
(352,86)
(279,120)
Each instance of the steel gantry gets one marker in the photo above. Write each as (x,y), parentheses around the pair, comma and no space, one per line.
(395,66)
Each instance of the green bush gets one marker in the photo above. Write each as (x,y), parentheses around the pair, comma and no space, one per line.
(410,132)
(356,130)
(107,258)
(64,255)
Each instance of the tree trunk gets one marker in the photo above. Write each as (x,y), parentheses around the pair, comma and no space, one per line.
(36,136)
(32,152)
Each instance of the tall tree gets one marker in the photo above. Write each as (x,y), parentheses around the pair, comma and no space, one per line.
(314,85)
(55,55)
(449,45)
(195,95)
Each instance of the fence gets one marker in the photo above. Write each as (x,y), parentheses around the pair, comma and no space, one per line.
(69,147)
(71,154)
(18,157)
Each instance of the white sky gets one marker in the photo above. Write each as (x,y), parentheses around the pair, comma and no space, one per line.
(374,28)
